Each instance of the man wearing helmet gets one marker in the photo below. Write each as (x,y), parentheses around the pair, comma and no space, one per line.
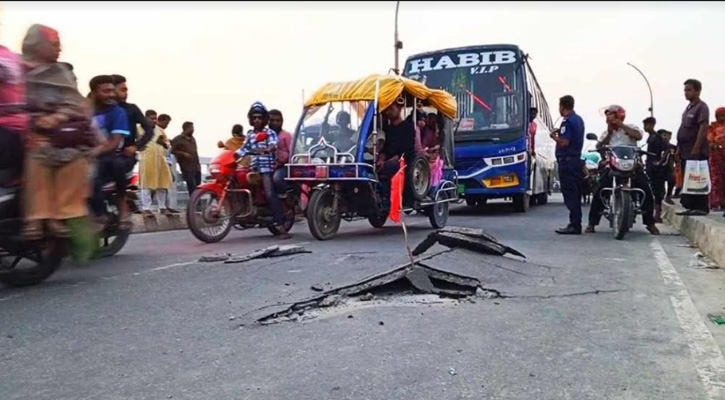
(261,143)
(620,134)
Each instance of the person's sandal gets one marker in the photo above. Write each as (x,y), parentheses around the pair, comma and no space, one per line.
(32,230)
(589,229)
(653,229)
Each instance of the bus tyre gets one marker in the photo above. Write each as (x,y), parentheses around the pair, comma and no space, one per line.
(521,202)
(323,222)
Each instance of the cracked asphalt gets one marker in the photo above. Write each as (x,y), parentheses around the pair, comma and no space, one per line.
(582,317)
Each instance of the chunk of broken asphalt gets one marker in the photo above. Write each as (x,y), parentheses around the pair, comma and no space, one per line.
(269,252)
(215,257)
(367,297)
(466,238)
(316,288)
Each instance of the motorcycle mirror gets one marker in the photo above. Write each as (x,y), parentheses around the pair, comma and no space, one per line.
(592,136)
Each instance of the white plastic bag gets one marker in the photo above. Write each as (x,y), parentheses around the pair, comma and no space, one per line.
(697,178)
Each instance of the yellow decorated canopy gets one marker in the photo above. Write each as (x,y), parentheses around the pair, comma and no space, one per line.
(391,87)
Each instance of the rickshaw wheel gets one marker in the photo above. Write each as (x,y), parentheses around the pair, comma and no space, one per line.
(438,213)
(320,218)
(419,177)
(378,221)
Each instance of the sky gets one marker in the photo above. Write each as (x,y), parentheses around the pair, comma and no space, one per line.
(207,62)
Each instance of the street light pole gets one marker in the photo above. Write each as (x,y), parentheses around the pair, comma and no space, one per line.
(651,103)
(398,44)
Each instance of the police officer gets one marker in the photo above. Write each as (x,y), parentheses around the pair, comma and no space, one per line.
(569,140)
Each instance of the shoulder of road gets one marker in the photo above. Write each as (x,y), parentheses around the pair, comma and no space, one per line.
(706,232)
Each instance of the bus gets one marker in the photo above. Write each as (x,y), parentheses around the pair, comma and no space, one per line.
(495,88)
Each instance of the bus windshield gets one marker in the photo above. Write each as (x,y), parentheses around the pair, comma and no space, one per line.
(488,87)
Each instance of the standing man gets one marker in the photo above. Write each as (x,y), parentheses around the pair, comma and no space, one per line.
(569,140)
(135,118)
(284,146)
(655,172)
(533,113)
(187,155)
(692,143)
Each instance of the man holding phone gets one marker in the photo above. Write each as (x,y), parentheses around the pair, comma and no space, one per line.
(620,134)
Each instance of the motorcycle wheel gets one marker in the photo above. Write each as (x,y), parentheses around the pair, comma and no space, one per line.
(46,261)
(622,214)
(112,238)
(198,216)
(320,218)
(289,221)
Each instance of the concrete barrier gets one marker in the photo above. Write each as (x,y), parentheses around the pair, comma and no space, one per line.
(707,233)
(158,223)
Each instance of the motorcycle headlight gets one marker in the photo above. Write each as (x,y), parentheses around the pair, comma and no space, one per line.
(624,165)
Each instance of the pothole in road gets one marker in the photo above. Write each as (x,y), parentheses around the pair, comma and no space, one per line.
(411,284)
(419,286)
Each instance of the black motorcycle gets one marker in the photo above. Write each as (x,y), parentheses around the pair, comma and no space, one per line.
(113,238)
(23,263)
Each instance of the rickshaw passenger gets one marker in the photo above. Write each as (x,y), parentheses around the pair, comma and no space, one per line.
(400,140)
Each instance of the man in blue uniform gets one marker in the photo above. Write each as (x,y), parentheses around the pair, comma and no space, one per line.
(569,140)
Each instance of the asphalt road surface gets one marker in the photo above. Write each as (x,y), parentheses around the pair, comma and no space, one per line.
(583,317)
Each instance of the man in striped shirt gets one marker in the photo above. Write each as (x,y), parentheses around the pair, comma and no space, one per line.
(262,144)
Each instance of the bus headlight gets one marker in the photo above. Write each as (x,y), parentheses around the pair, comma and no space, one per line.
(505,180)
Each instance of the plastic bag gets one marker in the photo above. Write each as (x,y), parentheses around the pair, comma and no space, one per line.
(697,178)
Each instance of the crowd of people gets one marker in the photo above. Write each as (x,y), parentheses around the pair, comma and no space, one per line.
(65,147)
(662,176)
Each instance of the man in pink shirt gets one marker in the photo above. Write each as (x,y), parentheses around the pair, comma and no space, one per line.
(13,117)
(284,146)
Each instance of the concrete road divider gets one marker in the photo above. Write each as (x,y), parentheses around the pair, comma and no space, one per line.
(707,233)
(158,223)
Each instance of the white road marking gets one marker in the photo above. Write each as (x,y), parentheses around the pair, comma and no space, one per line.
(173,266)
(705,352)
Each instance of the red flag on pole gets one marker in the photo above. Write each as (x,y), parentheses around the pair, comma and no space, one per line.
(396,192)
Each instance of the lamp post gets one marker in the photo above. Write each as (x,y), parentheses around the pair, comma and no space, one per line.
(651,103)
(398,44)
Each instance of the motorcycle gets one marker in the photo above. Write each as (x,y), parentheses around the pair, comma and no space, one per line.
(622,202)
(22,262)
(234,197)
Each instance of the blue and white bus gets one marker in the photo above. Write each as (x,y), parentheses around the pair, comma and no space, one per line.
(495,88)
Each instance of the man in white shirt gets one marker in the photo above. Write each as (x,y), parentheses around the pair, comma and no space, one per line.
(620,134)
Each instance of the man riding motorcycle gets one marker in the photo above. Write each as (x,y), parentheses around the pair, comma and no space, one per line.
(261,143)
(620,134)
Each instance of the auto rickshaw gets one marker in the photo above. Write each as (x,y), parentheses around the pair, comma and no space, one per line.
(333,159)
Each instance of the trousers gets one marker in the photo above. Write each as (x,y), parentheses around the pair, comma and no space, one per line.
(571,176)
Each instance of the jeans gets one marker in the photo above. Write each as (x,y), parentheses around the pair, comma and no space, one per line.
(271,194)
(192,179)
(278,178)
(639,181)
(571,176)
(110,168)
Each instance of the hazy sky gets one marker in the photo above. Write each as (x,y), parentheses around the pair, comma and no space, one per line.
(207,62)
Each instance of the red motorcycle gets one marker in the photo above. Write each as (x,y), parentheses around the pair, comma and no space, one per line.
(234,198)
